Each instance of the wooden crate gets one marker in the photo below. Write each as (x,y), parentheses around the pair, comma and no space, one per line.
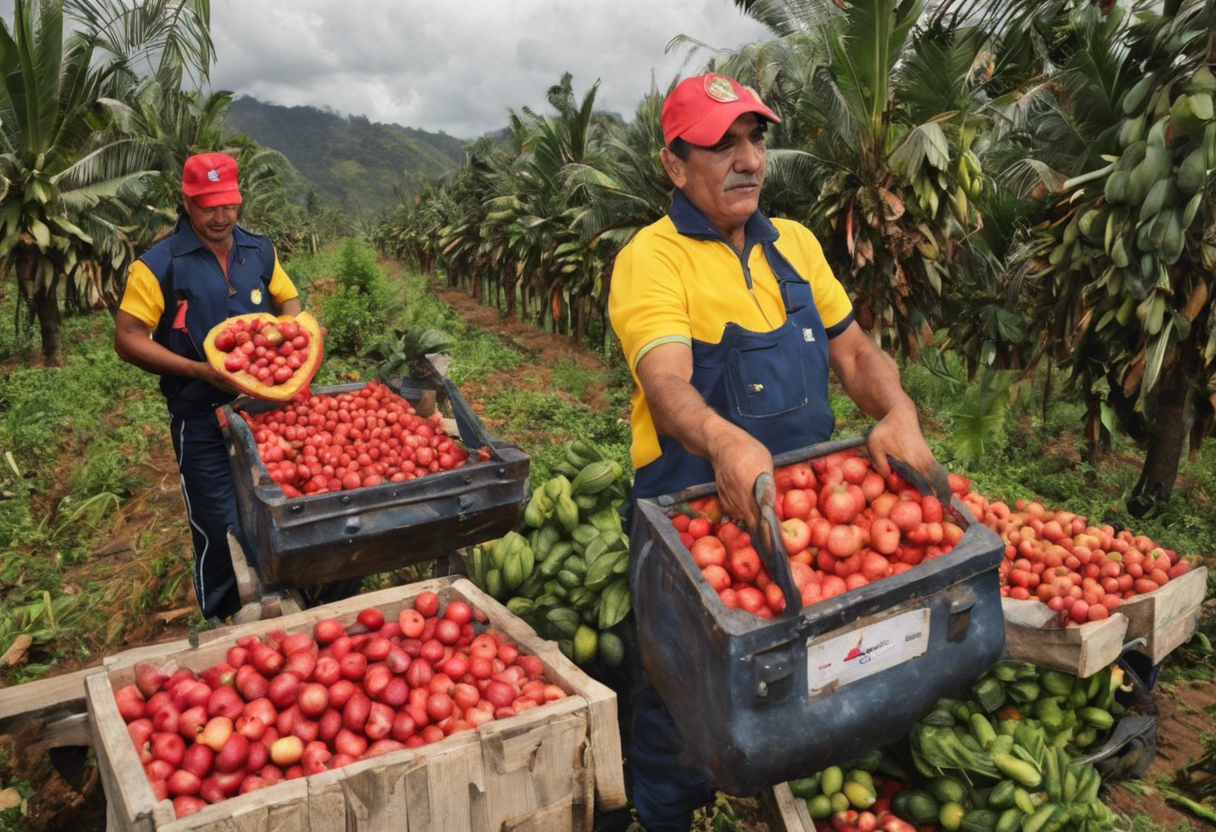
(1030,635)
(1166,617)
(784,812)
(543,769)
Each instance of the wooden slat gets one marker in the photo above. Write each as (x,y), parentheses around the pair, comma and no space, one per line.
(605,732)
(1161,617)
(1082,650)
(785,812)
(42,696)
(126,785)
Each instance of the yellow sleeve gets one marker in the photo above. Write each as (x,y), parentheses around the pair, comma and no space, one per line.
(831,299)
(143,298)
(281,287)
(647,304)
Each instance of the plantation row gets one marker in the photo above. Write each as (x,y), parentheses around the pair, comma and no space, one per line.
(1039,197)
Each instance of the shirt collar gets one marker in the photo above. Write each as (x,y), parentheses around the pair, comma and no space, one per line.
(691,222)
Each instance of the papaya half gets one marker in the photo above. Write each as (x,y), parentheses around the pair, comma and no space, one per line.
(264,356)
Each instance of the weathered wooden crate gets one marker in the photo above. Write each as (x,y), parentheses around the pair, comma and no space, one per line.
(543,769)
(1166,617)
(1031,635)
(784,812)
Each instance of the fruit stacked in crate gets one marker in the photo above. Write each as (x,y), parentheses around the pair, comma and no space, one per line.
(843,526)
(284,706)
(565,571)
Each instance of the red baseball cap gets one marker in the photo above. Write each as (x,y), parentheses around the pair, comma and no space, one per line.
(700,109)
(210,179)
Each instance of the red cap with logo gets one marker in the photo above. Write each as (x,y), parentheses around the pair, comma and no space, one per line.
(699,110)
(210,179)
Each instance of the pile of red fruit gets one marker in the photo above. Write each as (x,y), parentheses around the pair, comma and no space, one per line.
(293,705)
(1081,571)
(324,443)
(843,526)
(269,351)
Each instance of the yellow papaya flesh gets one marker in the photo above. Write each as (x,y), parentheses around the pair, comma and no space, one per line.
(264,356)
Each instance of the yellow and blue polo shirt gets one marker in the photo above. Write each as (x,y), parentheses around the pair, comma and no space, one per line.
(678,280)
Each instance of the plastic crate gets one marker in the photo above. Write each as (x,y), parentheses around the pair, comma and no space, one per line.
(309,540)
(758,702)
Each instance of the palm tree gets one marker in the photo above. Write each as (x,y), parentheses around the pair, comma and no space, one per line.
(68,161)
(1127,256)
(875,151)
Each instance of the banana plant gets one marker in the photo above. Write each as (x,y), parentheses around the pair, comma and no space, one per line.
(1127,256)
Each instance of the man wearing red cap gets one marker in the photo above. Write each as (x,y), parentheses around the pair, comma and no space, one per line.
(731,322)
(209,269)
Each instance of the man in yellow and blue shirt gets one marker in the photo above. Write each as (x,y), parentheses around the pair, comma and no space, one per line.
(730,323)
(209,269)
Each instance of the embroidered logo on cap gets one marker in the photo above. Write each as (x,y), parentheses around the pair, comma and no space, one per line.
(213,175)
(256,296)
(719,89)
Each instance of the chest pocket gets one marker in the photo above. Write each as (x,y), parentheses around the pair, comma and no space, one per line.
(765,372)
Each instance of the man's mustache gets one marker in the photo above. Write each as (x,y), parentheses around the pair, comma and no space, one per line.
(742,181)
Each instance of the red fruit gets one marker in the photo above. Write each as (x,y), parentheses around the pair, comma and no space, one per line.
(149,679)
(313,699)
(371,618)
(427,603)
(458,611)
(907,515)
(187,804)
(301,664)
(297,642)
(183,782)
(402,728)
(379,721)
(168,747)
(353,665)
(795,534)
(837,504)
(232,756)
(354,715)
(447,631)
(744,564)
(225,701)
(167,718)
(130,703)
(411,622)
(328,631)
(327,671)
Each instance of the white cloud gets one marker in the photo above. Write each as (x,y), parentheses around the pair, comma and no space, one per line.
(458,67)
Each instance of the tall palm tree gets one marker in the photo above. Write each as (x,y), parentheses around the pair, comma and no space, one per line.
(1127,257)
(880,107)
(68,160)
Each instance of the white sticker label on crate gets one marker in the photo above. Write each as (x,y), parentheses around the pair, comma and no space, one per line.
(840,660)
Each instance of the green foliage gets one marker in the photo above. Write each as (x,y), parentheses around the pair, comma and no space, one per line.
(477,354)
(574,378)
(364,303)
(357,268)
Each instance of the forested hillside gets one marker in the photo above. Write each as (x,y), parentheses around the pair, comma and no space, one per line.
(355,161)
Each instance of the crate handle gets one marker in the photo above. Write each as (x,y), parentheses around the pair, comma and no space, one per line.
(766,540)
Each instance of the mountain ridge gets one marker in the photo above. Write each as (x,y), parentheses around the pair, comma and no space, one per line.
(364,167)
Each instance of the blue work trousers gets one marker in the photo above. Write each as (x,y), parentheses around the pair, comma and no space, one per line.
(210,496)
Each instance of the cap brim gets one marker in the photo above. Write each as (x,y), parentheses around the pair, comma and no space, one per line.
(218,198)
(709,130)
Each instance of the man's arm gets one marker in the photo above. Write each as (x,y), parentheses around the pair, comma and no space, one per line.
(133,343)
(679,411)
(871,379)
(291,306)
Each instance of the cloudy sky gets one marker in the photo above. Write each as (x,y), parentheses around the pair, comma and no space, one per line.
(457,67)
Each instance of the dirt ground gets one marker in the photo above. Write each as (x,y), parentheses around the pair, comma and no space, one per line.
(147,525)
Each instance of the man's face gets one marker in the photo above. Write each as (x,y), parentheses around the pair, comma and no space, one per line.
(724,180)
(213,225)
